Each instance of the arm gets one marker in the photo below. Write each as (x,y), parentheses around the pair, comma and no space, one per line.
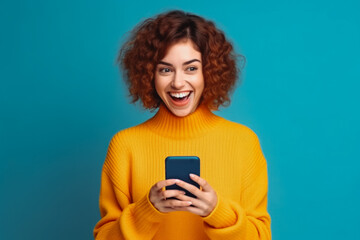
(120,218)
(247,219)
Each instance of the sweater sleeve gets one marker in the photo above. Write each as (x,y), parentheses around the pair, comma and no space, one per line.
(248,218)
(120,217)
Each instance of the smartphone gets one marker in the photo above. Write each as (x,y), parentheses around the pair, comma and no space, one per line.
(179,167)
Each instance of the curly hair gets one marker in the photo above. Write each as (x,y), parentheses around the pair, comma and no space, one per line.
(149,41)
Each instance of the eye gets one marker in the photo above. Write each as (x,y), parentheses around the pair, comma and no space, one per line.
(191,69)
(164,70)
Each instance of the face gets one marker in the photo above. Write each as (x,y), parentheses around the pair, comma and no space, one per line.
(179,79)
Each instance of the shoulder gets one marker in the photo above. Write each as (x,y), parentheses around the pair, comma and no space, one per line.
(238,129)
(126,136)
(120,148)
(247,140)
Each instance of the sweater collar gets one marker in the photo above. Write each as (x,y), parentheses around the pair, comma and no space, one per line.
(199,122)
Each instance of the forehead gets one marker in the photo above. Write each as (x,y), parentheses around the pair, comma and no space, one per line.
(182,50)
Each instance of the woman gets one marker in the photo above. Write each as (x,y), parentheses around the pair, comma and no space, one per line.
(183,65)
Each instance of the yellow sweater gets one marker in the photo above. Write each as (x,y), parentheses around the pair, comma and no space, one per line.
(231,161)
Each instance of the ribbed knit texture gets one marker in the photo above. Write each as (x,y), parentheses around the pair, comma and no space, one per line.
(231,161)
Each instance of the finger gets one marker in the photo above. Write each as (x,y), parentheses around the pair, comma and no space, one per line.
(195,201)
(202,182)
(171,193)
(161,184)
(173,209)
(173,203)
(191,188)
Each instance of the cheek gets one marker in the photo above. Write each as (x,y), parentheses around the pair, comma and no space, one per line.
(201,91)
(156,82)
(200,84)
(160,85)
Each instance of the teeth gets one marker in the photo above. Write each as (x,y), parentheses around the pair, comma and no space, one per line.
(180,95)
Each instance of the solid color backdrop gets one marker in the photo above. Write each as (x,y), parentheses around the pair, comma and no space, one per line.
(62,99)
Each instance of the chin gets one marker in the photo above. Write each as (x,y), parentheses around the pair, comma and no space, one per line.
(180,112)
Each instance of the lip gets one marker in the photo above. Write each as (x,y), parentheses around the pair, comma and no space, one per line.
(179,91)
(182,103)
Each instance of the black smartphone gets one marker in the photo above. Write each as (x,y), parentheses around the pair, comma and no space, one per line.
(179,167)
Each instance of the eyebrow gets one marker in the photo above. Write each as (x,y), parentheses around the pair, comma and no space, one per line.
(185,63)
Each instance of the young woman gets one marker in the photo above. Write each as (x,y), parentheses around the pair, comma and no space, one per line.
(183,65)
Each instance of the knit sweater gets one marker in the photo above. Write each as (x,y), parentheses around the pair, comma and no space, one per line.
(231,161)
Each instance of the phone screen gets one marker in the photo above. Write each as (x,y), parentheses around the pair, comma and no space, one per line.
(179,167)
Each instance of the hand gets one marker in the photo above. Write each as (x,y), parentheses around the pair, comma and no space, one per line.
(159,197)
(206,199)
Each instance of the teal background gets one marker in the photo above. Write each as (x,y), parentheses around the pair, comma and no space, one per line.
(62,99)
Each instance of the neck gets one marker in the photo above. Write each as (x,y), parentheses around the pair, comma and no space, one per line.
(195,124)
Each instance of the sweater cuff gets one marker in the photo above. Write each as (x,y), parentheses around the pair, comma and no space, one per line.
(222,216)
(145,211)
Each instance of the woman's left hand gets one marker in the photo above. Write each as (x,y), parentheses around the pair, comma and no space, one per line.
(206,199)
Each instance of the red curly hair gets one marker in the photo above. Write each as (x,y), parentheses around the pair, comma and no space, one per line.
(149,42)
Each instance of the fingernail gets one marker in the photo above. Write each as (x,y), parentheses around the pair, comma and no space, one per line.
(192,175)
(189,203)
(182,192)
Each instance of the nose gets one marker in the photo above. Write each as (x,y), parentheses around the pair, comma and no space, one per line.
(178,81)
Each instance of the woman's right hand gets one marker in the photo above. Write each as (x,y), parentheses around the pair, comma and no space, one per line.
(160,198)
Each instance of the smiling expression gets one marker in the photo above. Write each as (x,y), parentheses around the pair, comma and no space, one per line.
(179,78)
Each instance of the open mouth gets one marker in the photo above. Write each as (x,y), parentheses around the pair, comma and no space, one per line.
(180,96)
